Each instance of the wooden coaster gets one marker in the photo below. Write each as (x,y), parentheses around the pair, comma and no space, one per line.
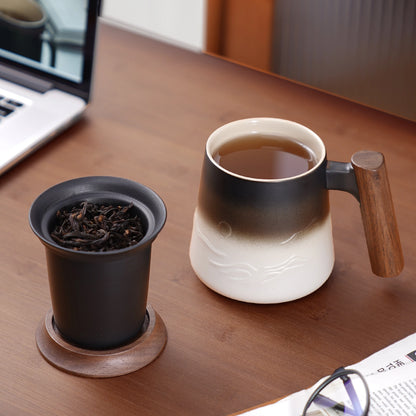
(105,363)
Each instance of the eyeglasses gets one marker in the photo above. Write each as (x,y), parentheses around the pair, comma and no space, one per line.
(345,392)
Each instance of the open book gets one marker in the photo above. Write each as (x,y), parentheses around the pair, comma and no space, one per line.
(391,378)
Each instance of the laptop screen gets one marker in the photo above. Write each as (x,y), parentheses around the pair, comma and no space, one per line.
(50,39)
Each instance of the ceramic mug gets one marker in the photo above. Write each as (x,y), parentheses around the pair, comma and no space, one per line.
(270,240)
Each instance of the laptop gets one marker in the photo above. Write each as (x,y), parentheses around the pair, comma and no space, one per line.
(46,68)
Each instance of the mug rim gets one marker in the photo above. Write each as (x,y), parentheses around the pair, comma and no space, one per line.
(265,125)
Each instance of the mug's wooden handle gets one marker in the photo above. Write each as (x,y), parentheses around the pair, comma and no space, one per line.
(377,213)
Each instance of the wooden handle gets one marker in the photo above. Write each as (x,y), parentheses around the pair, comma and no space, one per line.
(377,213)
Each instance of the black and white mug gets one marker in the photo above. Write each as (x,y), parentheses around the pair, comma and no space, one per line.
(265,240)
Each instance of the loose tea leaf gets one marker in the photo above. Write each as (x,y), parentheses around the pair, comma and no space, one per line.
(97,227)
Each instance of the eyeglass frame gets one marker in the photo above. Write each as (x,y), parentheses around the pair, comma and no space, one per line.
(339,373)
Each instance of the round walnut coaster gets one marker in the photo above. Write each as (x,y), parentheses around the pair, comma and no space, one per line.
(105,363)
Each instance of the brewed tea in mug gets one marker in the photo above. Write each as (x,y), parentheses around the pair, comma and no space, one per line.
(265,157)
(262,228)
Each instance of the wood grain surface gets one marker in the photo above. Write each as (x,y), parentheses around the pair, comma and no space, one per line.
(377,211)
(153,108)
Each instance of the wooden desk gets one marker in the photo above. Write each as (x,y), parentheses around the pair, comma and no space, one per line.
(153,108)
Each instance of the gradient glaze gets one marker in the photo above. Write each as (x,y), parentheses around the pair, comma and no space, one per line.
(268,271)
(262,241)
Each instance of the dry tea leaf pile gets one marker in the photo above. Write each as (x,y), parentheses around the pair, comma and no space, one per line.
(97,227)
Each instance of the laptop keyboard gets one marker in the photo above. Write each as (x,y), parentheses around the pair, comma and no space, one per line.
(8,106)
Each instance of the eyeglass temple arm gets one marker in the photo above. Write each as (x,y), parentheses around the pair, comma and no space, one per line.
(324,401)
(352,393)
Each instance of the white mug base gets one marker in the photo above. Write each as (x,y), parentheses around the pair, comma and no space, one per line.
(257,271)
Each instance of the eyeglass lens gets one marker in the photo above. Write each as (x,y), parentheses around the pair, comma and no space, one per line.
(346,395)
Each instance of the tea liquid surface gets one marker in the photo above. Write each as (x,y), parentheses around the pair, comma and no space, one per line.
(265,157)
